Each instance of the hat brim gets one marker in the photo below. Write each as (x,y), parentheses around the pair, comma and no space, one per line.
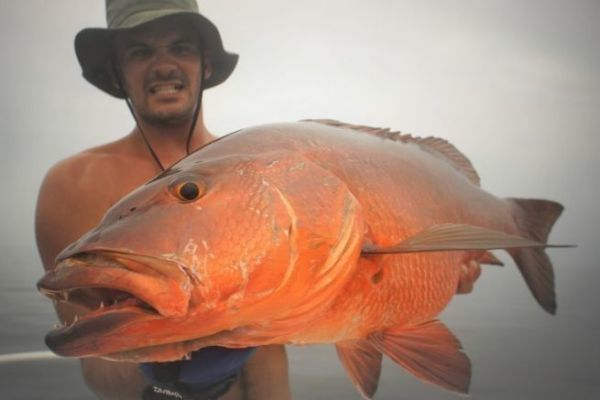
(94,50)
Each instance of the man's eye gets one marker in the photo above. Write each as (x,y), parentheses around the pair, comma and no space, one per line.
(139,53)
(184,49)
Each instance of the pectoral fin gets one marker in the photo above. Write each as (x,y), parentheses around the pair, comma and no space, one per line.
(362,361)
(448,237)
(428,351)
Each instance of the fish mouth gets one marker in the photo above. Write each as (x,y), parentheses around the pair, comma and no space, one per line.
(115,289)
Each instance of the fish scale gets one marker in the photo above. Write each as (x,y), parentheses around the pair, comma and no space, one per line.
(414,288)
(308,232)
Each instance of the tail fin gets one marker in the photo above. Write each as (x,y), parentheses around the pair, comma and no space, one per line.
(535,219)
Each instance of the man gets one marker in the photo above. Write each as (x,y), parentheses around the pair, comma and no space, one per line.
(159,55)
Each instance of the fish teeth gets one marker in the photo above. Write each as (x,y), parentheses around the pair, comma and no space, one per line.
(188,356)
(101,305)
(57,325)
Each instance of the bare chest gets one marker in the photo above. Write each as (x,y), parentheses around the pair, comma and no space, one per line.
(119,175)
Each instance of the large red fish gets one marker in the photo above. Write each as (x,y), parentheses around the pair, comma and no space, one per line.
(309,232)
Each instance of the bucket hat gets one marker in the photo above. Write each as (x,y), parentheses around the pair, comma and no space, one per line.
(94,46)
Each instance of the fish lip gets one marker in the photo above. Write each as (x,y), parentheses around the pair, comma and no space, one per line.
(159,286)
(85,277)
(78,339)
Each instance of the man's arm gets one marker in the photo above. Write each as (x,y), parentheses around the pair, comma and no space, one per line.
(69,204)
(265,375)
(469,273)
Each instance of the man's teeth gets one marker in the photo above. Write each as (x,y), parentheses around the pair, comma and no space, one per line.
(166,89)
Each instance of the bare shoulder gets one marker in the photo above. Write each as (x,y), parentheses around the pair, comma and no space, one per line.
(95,174)
(87,167)
(65,209)
(73,182)
(77,191)
(69,172)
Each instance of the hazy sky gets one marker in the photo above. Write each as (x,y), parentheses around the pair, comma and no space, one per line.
(514,84)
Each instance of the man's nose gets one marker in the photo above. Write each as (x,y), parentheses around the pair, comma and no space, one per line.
(164,70)
(163,65)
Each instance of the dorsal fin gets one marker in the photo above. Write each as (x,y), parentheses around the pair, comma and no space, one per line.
(436,146)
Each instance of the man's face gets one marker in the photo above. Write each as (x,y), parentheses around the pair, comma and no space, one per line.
(160,65)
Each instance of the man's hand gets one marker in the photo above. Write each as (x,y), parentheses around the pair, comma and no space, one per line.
(469,273)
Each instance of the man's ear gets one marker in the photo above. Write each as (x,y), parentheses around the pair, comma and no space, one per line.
(207,65)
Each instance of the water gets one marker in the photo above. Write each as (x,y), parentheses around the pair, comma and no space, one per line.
(517,351)
(26,316)
(57,379)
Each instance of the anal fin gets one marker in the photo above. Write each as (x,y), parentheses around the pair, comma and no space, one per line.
(362,361)
(428,351)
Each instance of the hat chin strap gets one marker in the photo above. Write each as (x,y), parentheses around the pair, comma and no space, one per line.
(197,107)
(198,103)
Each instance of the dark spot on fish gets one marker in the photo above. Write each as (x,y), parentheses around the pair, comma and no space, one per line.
(94,236)
(316,244)
(377,277)
(132,209)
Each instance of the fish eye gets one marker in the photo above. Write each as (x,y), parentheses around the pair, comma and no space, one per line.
(188,190)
